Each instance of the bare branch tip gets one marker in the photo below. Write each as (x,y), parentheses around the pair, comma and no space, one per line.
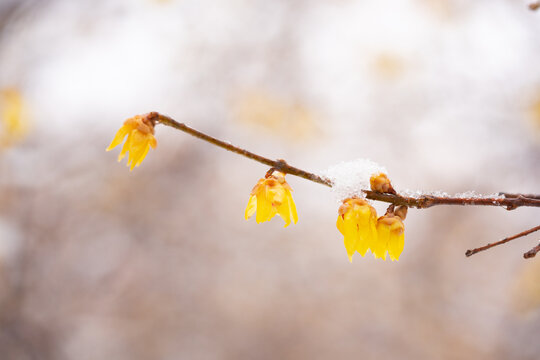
(532,253)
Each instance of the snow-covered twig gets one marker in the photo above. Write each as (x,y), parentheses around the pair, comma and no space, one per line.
(510,201)
(530,196)
(426,201)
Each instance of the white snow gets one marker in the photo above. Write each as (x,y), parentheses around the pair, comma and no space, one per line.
(351,177)
(417,193)
(471,194)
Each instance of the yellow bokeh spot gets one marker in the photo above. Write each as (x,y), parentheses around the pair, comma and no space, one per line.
(388,66)
(290,119)
(527,288)
(14,118)
(535,113)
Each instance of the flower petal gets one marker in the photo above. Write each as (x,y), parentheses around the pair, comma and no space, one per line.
(265,210)
(126,147)
(251,206)
(119,137)
(292,207)
(153,141)
(351,236)
(143,154)
(380,245)
(396,244)
(284,211)
(139,148)
(340,224)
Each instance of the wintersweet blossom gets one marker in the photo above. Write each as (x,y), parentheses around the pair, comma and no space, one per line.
(390,230)
(140,137)
(272,196)
(357,223)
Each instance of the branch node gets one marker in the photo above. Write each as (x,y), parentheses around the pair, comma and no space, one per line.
(281,165)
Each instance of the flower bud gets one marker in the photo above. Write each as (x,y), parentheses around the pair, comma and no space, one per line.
(401,211)
(380,183)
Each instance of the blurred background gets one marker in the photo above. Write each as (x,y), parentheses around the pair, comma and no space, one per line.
(97,262)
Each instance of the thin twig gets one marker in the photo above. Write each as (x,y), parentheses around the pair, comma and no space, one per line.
(279,165)
(421,202)
(532,253)
(505,240)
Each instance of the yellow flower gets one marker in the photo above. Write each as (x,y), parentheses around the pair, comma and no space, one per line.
(270,197)
(357,223)
(390,229)
(140,137)
(13,117)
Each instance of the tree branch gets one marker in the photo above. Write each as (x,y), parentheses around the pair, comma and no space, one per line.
(510,201)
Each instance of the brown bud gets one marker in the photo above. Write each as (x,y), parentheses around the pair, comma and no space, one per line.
(269,172)
(401,211)
(381,183)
